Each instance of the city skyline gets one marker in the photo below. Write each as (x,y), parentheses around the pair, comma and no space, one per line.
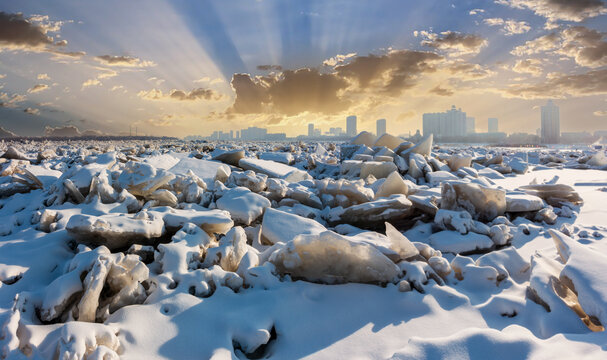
(189,68)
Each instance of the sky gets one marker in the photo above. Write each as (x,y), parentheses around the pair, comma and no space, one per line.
(183,67)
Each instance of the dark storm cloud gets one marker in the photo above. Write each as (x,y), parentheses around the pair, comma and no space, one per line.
(18,32)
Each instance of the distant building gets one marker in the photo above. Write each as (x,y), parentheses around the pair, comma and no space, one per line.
(451,123)
(310,130)
(551,123)
(492,125)
(381,127)
(470,125)
(351,125)
(253,133)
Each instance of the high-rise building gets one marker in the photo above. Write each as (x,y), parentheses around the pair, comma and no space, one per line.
(381,127)
(492,125)
(253,133)
(351,125)
(551,123)
(451,123)
(470,125)
(310,130)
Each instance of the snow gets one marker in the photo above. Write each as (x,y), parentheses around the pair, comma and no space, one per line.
(151,250)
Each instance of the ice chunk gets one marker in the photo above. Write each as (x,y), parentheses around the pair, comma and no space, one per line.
(14,153)
(458,161)
(598,160)
(243,205)
(230,157)
(424,147)
(460,221)
(394,184)
(437,177)
(281,157)
(481,202)
(248,179)
(389,141)
(142,179)
(454,242)
(399,243)
(364,138)
(232,247)
(332,258)
(554,194)
(375,212)
(164,197)
(379,169)
(500,234)
(523,203)
(211,221)
(274,169)
(115,231)
(279,226)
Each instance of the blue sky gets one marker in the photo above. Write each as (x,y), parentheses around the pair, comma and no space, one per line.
(168,67)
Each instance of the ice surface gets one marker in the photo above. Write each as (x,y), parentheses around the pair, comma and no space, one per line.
(243,205)
(274,169)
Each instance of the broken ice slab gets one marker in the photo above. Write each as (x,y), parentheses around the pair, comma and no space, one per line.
(115,231)
(142,179)
(332,258)
(389,141)
(280,157)
(483,203)
(279,226)
(243,205)
(373,213)
(379,169)
(458,161)
(211,221)
(230,157)
(523,203)
(456,243)
(274,169)
(554,194)
(424,147)
(394,184)
(364,138)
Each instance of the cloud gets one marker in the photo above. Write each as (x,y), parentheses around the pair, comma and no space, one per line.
(338,59)
(441,91)
(585,46)
(554,10)
(91,82)
(528,66)
(476,11)
(10,101)
(31,111)
(269,67)
(469,71)
(509,27)
(16,32)
(600,113)
(37,88)
(125,61)
(210,81)
(43,77)
(593,82)
(180,95)
(453,42)
(164,120)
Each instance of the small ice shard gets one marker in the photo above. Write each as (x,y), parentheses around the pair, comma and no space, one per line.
(364,138)
(460,221)
(164,197)
(115,231)
(481,202)
(400,243)
(332,258)
(500,234)
(254,182)
(232,247)
(243,205)
(424,147)
(13,153)
(223,173)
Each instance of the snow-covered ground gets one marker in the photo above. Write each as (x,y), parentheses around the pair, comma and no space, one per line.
(377,249)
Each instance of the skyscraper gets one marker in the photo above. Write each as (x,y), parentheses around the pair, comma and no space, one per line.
(492,125)
(470,125)
(381,127)
(551,123)
(310,130)
(351,125)
(451,123)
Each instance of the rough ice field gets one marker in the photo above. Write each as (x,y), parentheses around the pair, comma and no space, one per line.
(374,249)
